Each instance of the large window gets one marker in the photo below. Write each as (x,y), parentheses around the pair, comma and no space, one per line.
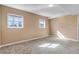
(15,21)
(41,23)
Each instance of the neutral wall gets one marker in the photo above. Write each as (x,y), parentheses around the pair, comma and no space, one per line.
(66,25)
(30,30)
(0,25)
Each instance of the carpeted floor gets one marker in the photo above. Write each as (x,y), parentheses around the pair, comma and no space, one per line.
(49,45)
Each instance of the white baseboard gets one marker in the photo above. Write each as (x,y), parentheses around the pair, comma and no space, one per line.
(8,44)
(72,39)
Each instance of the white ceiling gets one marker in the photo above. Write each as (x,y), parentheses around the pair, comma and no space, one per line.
(52,12)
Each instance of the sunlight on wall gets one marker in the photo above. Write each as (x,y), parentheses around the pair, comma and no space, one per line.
(49,45)
(60,35)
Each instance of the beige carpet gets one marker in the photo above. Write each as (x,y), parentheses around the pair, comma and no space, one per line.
(49,45)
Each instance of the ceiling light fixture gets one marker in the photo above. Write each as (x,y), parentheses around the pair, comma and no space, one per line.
(50,5)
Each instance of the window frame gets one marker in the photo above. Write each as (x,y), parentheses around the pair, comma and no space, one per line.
(42,21)
(15,15)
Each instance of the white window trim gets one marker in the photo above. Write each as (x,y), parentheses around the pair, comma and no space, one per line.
(44,22)
(17,16)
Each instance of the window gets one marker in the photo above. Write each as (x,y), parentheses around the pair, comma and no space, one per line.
(15,21)
(41,23)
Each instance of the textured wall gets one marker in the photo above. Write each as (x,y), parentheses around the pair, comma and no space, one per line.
(30,30)
(66,25)
(0,25)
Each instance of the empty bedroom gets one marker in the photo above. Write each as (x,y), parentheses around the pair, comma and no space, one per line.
(39,28)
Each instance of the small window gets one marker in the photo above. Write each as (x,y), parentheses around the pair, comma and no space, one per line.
(41,23)
(15,21)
